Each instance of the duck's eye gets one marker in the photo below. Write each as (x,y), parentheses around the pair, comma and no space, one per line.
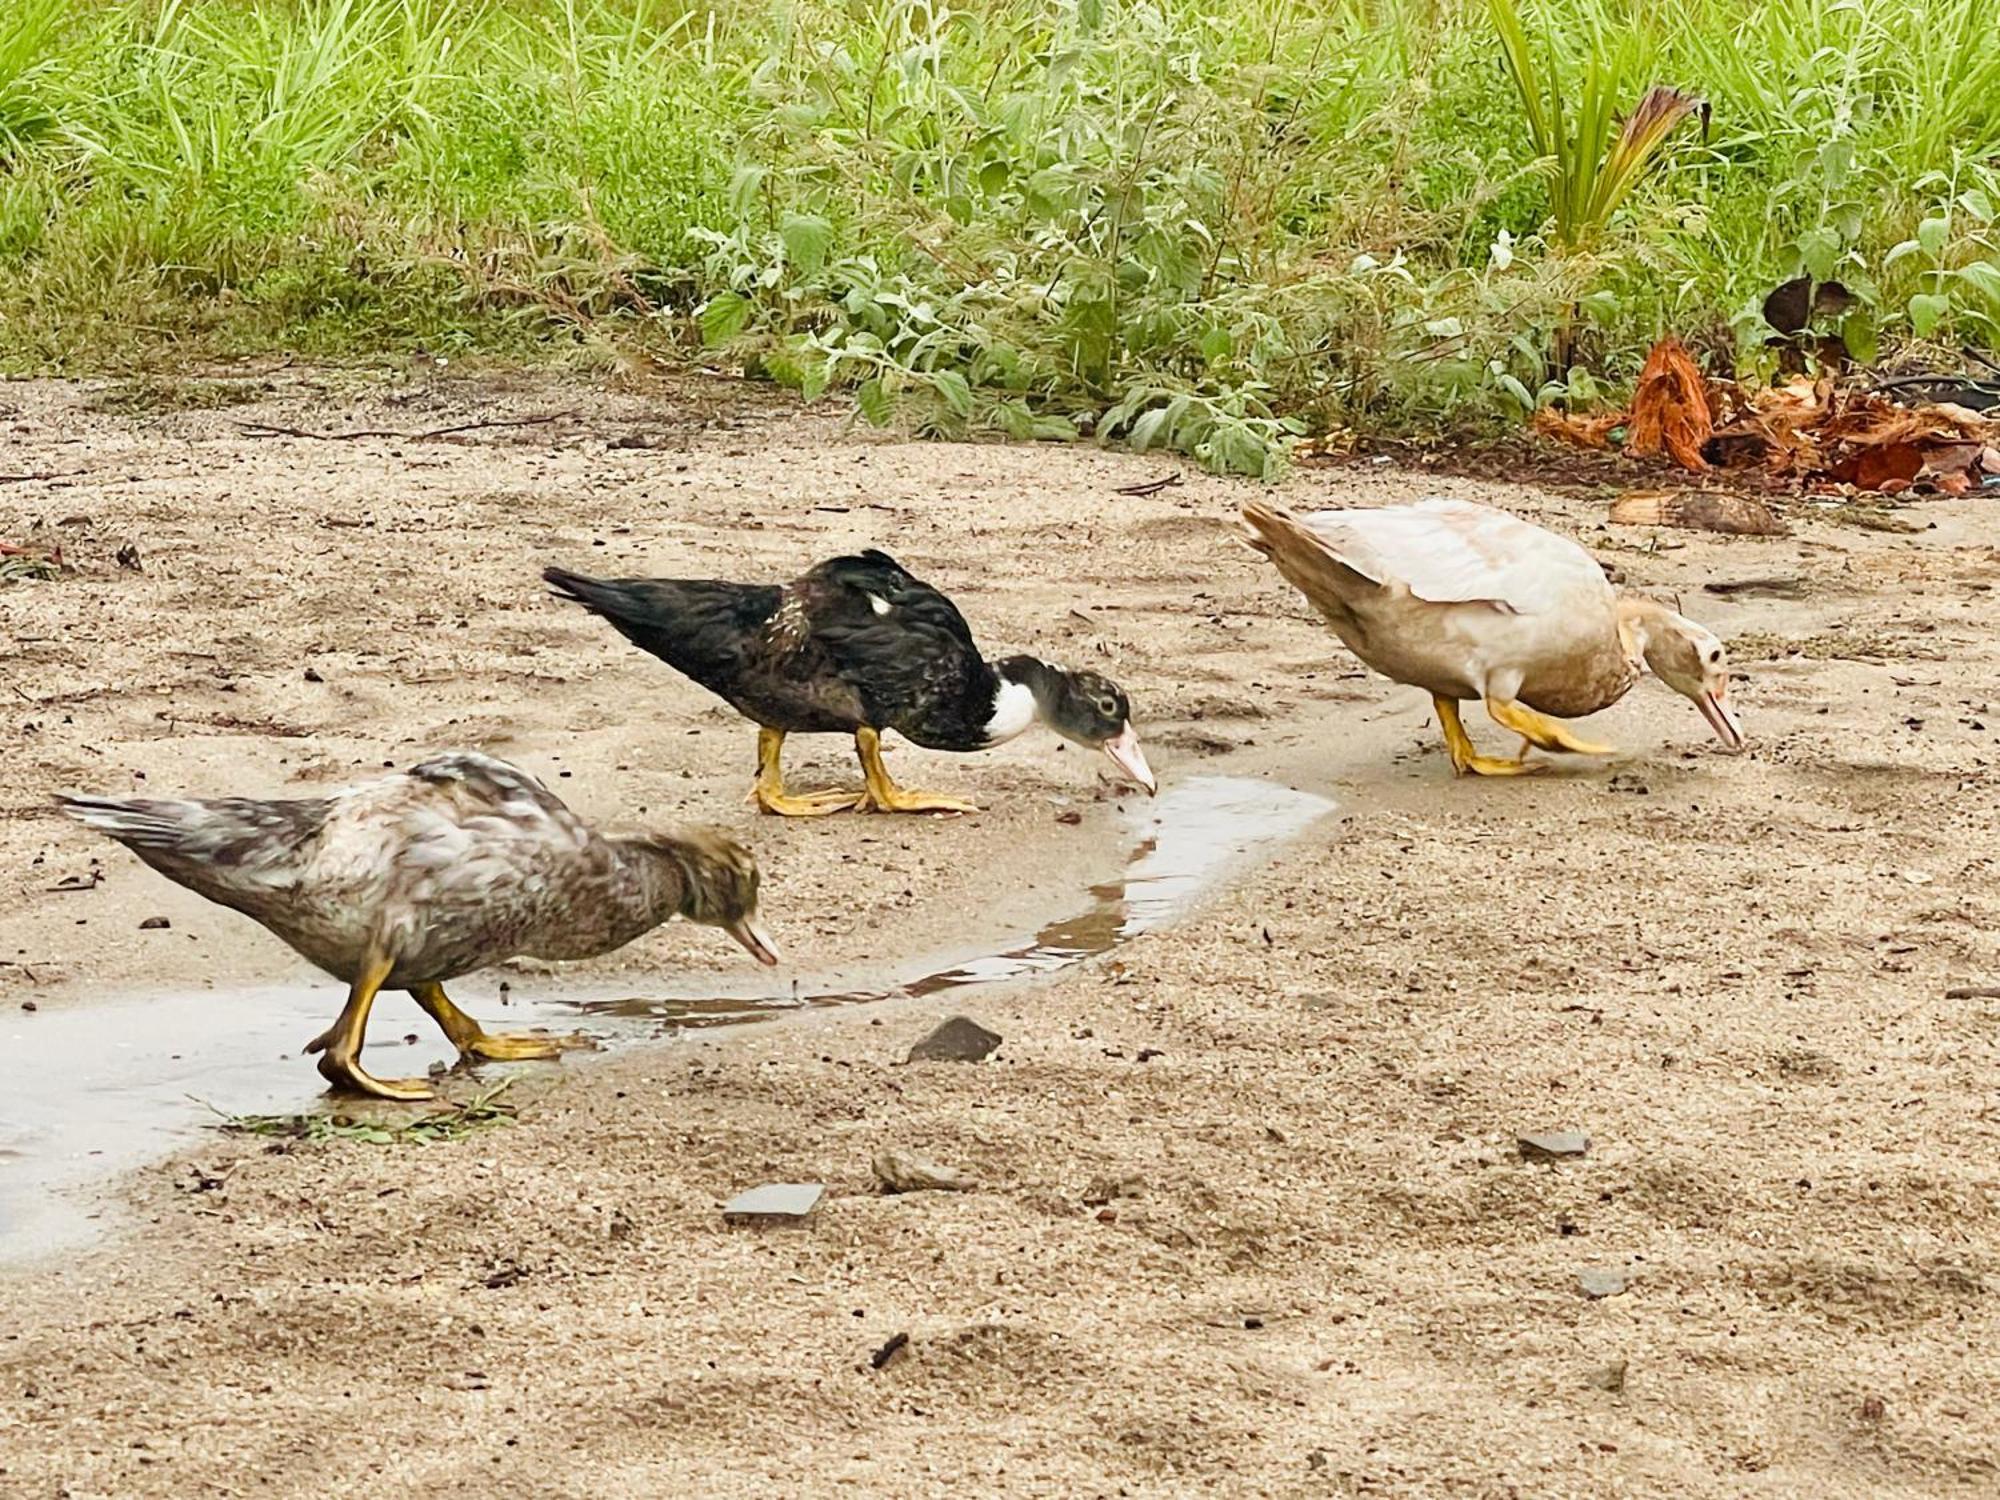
(1715,656)
(1107,707)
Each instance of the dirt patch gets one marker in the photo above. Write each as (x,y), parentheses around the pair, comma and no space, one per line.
(1323,1269)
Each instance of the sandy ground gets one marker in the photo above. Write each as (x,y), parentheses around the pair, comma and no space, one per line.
(1325,1271)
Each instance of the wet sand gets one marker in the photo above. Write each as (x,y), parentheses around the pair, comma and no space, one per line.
(1250,1213)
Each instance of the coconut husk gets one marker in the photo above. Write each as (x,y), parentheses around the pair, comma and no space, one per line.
(1697,510)
(1671,414)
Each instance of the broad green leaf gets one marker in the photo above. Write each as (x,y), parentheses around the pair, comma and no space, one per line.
(877,404)
(1905,247)
(724,317)
(1975,202)
(1600,306)
(1217,345)
(1857,331)
(744,186)
(813,379)
(956,392)
(1927,310)
(1445,328)
(1983,275)
(807,239)
(1820,249)
(1147,428)
(1931,234)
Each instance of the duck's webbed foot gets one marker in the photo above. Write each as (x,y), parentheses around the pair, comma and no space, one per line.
(883,795)
(1465,759)
(339,1046)
(347,1075)
(474,1041)
(769,791)
(1541,730)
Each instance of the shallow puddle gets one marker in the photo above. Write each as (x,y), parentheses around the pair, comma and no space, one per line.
(90,1090)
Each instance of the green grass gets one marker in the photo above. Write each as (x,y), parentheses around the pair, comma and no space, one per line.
(1201,224)
(451,1122)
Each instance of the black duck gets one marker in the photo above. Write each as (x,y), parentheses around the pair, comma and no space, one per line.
(856,646)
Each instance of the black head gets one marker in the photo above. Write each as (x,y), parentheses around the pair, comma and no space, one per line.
(1088,709)
(1094,711)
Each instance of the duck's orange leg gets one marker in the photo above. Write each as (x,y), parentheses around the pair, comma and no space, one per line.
(769,793)
(1465,759)
(339,1046)
(1540,729)
(474,1041)
(884,795)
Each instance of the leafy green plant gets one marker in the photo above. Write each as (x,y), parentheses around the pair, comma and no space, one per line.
(1197,224)
(483,1111)
(1593,160)
(1958,248)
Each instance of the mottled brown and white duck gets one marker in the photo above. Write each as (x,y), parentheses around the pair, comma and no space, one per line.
(856,646)
(1469,602)
(416,878)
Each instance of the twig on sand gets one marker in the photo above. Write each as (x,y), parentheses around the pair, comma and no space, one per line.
(271,429)
(1974,992)
(41,475)
(1151,488)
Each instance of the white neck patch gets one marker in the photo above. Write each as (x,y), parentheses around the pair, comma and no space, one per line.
(1013,711)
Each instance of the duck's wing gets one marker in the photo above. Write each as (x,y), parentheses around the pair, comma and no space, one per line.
(483,786)
(1456,552)
(900,644)
(704,628)
(243,853)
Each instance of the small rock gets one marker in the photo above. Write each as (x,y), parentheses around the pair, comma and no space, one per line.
(1595,1283)
(900,1171)
(1104,1187)
(313,676)
(782,1202)
(1873,1409)
(958,1040)
(155,924)
(1553,1145)
(1609,1377)
(471,1380)
(29,1006)
(1071,818)
(881,1357)
(127,557)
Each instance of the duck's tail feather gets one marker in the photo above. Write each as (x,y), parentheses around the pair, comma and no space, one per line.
(698,626)
(1304,555)
(142,822)
(228,834)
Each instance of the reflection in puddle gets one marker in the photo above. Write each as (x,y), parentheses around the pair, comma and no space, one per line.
(89,1090)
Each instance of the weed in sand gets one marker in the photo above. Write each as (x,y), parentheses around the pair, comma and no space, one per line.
(483,1111)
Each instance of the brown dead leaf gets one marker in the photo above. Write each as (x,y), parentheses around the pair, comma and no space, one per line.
(1671,413)
(1579,432)
(1880,465)
(1697,510)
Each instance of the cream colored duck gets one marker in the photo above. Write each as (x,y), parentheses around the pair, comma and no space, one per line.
(1465,601)
(413,879)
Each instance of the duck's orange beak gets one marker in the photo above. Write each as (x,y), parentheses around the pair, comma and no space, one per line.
(751,936)
(1721,717)
(1125,754)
